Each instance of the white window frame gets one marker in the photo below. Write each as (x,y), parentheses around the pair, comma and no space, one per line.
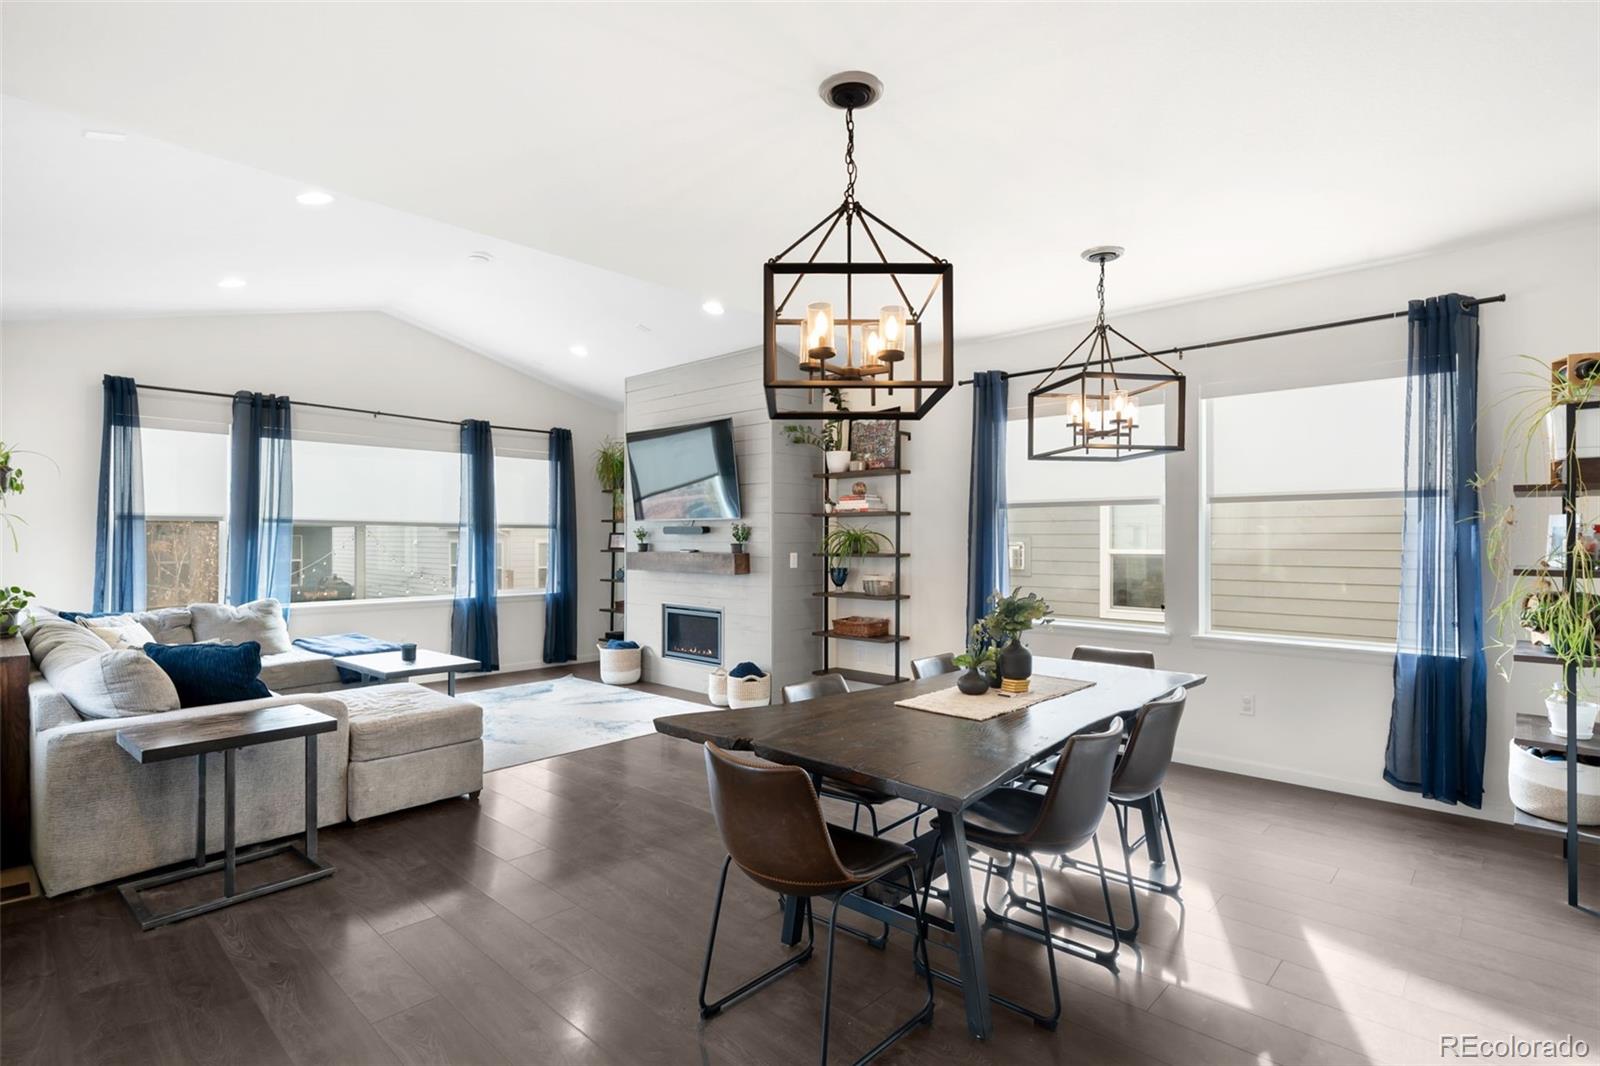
(1109,610)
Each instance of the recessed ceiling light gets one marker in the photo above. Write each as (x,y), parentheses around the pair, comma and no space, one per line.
(580,351)
(104,135)
(314,198)
(481,257)
(712,307)
(232,281)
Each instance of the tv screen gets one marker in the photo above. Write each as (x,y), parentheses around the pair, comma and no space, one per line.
(684,472)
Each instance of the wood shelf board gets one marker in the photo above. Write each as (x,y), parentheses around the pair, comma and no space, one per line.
(1549,490)
(611,610)
(875,555)
(735,563)
(847,474)
(1587,834)
(860,514)
(836,595)
(1528,652)
(892,638)
(1534,729)
(866,677)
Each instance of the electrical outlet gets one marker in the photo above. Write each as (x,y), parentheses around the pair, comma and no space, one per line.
(794,560)
(1247,705)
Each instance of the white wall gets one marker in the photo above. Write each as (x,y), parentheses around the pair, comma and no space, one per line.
(51,404)
(1321,715)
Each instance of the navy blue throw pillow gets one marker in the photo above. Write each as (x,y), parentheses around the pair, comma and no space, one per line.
(205,674)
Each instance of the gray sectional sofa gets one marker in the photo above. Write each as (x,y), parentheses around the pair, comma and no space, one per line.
(98,816)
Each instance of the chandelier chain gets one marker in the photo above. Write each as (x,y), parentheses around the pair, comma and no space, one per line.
(850,156)
(1100,293)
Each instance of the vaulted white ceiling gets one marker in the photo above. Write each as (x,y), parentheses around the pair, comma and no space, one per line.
(1225,145)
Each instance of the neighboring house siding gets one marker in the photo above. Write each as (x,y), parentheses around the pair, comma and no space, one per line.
(1061,550)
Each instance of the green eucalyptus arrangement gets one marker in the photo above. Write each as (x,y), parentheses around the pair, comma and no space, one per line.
(1013,613)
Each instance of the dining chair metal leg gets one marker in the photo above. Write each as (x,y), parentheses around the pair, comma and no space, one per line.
(1107,928)
(711,1010)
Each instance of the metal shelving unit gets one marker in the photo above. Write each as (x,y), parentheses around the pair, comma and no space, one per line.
(614,558)
(893,510)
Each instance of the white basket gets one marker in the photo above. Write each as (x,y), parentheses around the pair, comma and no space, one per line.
(749,691)
(1540,787)
(621,666)
(717,687)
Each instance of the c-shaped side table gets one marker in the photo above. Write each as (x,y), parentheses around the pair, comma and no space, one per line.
(227,733)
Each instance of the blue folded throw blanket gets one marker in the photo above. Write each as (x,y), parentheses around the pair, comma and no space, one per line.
(747,670)
(620,645)
(339,644)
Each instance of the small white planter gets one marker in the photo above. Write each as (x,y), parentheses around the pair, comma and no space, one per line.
(1555,707)
(717,687)
(621,666)
(749,691)
(1539,786)
(838,462)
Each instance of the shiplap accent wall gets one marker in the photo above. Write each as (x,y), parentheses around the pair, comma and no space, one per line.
(767,615)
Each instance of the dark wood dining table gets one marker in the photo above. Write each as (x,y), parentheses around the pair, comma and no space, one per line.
(937,760)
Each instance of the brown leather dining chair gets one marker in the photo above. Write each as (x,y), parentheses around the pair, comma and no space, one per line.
(934,665)
(1021,822)
(772,826)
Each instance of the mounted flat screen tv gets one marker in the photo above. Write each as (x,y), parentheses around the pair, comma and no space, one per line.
(684,472)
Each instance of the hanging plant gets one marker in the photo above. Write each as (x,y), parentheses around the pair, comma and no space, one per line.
(11,485)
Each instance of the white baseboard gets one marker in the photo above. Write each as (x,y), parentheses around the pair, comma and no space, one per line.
(1365,789)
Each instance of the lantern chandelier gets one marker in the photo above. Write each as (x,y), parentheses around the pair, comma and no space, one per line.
(872,352)
(1101,407)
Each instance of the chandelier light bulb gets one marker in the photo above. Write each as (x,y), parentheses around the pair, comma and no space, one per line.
(892,328)
(819,331)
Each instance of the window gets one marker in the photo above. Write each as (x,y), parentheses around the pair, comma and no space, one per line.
(186,496)
(1088,537)
(1304,536)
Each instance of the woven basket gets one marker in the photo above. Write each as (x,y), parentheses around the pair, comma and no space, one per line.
(749,691)
(717,687)
(1540,787)
(621,666)
(854,625)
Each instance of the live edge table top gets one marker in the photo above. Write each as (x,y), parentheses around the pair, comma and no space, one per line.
(159,741)
(935,759)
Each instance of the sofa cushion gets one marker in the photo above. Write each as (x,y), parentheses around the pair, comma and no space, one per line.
(297,669)
(120,632)
(54,643)
(259,620)
(114,684)
(212,673)
(388,720)
(168,625)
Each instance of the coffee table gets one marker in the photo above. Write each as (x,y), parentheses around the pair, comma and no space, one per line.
(227,733)
(380,666)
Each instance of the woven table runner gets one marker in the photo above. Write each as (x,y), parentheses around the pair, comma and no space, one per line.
(992,704)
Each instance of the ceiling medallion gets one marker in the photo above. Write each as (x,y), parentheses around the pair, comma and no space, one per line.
(1104,406)
(868,361)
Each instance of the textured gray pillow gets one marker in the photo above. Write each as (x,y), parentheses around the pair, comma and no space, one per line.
(169,625)
(115,684)
(55,644)
(258,620)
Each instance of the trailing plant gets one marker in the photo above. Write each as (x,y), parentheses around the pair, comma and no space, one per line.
(609,465)
(741,532)
(11,485)
(641,534)
(12,601)
(1014,613)
(852,542)
(826,441)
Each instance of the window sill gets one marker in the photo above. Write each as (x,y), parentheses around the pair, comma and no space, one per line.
(1156,634)
(398,602)
(1295,646)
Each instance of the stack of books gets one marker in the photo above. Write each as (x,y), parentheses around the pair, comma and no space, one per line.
(859,501)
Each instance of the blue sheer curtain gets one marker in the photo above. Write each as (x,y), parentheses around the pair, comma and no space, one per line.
(119,559)
(260,498)
(561,589)
(1436,730)
(986,498)
(474,617)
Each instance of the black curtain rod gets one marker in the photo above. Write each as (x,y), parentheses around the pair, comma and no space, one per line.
(336,407)
(1184,349)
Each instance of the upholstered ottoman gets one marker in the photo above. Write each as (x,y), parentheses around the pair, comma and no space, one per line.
(410,745)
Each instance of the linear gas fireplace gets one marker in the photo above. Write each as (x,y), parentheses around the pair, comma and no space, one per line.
(692,633)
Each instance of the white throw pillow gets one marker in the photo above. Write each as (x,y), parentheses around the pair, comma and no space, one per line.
(258,620)
(119,633)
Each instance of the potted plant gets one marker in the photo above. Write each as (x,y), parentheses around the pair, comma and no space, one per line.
(1010,616)
(1555,709)
(741,536)
(642,535)
(609,469)
(12,601)
(977,661)
(849,542)
(11,485)
(836,458)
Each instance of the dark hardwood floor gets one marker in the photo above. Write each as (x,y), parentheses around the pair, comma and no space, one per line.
(562,918)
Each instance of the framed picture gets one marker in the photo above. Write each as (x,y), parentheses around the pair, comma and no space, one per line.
(873,443)
(619,541)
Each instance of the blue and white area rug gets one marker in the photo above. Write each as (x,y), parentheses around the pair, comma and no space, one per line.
(522,723)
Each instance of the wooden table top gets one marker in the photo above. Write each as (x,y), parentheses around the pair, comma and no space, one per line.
(159,741)
(945,762)
(385,664)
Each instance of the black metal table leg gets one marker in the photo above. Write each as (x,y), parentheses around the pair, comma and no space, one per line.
(311,797)
(229,859)
(1154,846)
(200,814)
(969,933)
(450,682)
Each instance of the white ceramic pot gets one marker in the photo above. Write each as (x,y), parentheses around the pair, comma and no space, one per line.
(838,462)
(1555,707)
